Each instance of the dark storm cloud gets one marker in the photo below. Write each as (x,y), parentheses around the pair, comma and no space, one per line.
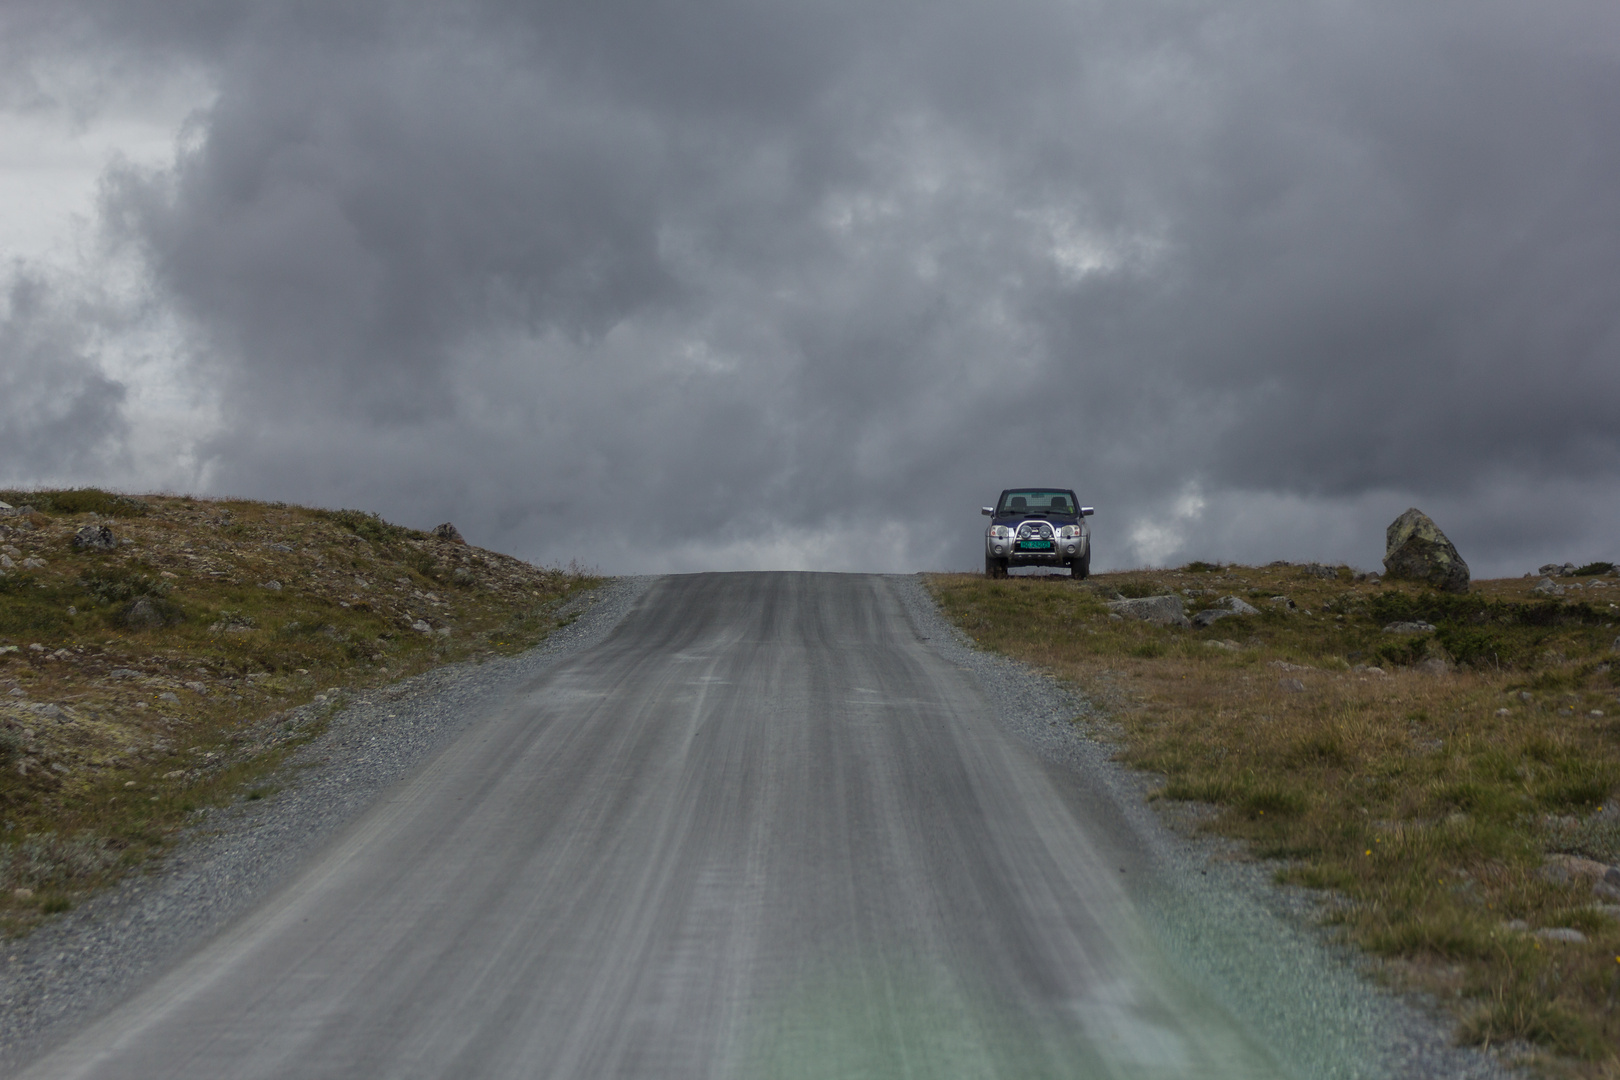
(748,274)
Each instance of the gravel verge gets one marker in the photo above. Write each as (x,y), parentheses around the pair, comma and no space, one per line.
(1258,947)
(82,963)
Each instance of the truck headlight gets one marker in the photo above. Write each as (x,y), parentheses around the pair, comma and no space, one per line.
(1000,532)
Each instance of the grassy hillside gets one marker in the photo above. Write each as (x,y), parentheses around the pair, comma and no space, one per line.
(1456,789)
(147,678)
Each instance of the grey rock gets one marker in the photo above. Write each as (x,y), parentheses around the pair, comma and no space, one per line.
(1566,934)
(1433,666)
(170,696)
(1163,610)
(421,626)
(1416,549)
(124,673)
(448,532)
(1238,607)
(1320,571)
(6,563)
(1209,615)
(1548,587)
(273,586)
(34,564)
(1293,686)
(1283,602)
(94,538)
(144,613)
(1409,628)
(1553,569)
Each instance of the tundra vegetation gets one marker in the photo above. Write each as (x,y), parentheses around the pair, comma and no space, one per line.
(173,666)
(1451,786)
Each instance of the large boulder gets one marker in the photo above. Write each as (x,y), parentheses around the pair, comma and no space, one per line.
(1164,610)
(1416,549)
(449,532)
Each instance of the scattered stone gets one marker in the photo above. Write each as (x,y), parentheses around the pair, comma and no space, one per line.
(1516,924)
(197,687)
(448,532)
(170,696)
(1416,549)
(1163,610)
(6,563)
(1367,669)
(23,894)
(462,576)
(1434,665)
(1565,934)
(1317,570)
(421,626)
(143,613)
(17,691)
(34,564)
(1283,665)
(1229,646)
(1293,686)
(124,673)
(1553,569)
(273,586)
(1283,602)
(1409,628)
(1560,869)
(95,538)
(1238,607)
(1208,616)
(1547,587)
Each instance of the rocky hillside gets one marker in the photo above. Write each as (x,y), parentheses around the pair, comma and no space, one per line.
(150,647)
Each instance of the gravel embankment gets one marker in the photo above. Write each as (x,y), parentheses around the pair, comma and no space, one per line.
(1258,947)
(83,962)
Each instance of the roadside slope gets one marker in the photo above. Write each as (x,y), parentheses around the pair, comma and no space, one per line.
(151,649)
(226,860)
(1442,768)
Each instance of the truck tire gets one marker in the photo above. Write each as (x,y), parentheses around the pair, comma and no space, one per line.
(1081,568)
(994,568)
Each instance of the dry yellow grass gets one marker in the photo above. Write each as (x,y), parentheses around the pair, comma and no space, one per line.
(1426,794)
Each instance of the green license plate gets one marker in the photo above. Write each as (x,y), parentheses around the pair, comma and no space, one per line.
(1035,545)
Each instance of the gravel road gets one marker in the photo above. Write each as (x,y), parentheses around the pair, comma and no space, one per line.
(722,825)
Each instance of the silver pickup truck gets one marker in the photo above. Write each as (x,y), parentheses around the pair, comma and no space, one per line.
(1037,527)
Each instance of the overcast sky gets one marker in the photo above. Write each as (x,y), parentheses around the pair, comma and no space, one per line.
(803,283)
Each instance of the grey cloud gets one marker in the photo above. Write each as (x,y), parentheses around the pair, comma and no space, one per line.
(60,414)
(767,270)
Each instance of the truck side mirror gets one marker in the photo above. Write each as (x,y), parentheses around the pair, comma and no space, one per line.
(988,511)
(1087,511)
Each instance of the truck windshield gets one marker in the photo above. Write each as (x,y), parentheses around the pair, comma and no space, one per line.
(1035,501)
